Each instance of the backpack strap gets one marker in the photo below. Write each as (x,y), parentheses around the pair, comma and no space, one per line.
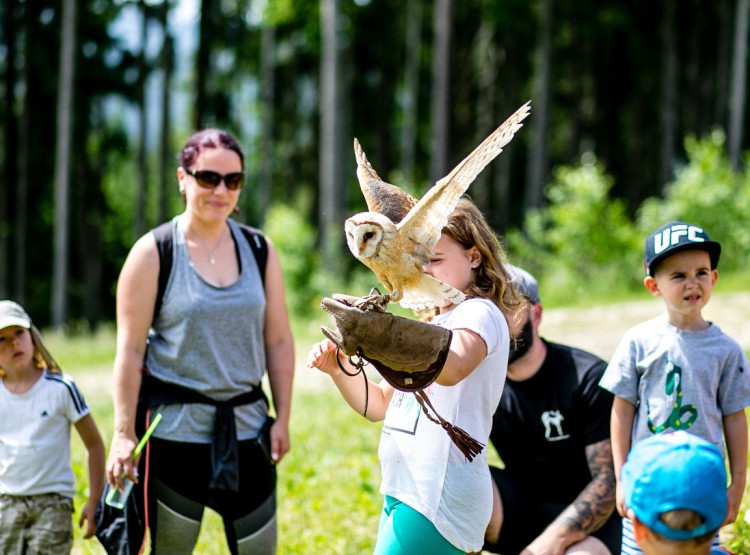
(164,240)
(259,246)
(163,236)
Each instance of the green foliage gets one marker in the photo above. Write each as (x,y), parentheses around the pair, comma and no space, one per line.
(67,348)
(582,243)
(295,241)
(584,247)
(707,192)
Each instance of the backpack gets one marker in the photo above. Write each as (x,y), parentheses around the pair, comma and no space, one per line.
(163,236)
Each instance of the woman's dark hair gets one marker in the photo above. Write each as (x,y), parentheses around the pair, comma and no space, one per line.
(208,138)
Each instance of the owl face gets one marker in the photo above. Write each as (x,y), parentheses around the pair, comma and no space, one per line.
(365,233)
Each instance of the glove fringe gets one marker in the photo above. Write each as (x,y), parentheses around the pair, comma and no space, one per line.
(469,446)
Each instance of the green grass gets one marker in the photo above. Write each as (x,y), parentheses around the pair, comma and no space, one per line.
(328,500)
(328,484)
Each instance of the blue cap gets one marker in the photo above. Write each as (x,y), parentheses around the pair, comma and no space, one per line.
(673,471)
(524,283)
(675,237)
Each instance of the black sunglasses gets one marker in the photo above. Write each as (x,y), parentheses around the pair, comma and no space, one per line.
(211,179)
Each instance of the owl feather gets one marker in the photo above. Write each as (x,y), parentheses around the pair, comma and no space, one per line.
(398,234)
(381,197)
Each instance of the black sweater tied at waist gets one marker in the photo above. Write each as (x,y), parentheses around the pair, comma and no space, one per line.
(225,473)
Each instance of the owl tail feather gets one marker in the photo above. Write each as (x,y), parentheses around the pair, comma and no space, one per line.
(429,292)
(469,446)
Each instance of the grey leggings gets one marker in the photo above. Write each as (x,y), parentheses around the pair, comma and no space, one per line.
(178,494)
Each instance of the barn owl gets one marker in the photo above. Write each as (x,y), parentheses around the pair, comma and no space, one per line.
(396,237)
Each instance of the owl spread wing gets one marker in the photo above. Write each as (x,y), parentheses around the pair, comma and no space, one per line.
(424,223)
(384,198)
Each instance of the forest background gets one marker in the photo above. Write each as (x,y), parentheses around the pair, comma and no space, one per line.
(638,116)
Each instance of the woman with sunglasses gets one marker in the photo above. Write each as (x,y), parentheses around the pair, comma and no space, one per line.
(219,327)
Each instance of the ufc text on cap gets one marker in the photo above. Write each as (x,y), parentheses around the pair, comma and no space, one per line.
(675,237)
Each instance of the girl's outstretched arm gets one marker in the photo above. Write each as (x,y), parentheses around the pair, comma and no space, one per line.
(467,351)
(323,356)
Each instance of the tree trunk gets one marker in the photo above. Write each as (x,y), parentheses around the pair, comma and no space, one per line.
(721,74)
(202,57)
(10,143)
(267,86)
(62,161)
(166,165)
(668,93)
(331,178)
(88,207)
(538,158)
(739,80)
(20,260)
(486,69)
(441,71)
(139,222)
(411,88)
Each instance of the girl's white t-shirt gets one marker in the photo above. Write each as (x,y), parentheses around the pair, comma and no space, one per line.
(420,464)
(35,436)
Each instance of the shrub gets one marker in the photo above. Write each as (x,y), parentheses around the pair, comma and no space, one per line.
(295,241)
(583,242)
(707,192)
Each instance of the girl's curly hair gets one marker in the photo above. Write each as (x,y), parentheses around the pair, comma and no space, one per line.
(468,227)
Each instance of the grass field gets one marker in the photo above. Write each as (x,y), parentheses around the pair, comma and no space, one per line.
(327,485)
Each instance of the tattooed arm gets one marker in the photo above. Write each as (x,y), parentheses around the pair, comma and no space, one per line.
(588,512)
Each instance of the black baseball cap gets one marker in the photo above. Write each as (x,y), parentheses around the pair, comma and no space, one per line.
(675,237)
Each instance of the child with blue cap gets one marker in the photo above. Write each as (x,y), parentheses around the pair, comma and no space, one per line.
(675,491)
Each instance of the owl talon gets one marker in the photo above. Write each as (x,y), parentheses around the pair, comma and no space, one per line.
(374,301)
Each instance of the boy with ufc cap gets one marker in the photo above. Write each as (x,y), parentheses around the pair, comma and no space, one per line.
(679,371)
(38,403)
(675,491)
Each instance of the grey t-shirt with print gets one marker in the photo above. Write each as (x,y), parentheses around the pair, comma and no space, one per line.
(679,380)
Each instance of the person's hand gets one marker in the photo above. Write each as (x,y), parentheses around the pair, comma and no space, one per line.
(322,356)
(121,460)
(279,441)
(734,497)
(87,515)
(620,500)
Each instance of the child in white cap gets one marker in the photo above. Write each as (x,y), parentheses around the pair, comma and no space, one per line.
(38,404)
(675,491)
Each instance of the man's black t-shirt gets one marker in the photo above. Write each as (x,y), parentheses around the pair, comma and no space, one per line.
(543,425)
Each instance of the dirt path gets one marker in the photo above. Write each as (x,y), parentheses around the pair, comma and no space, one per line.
(599,329)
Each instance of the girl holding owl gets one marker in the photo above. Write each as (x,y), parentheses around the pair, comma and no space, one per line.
(435,500)
(216,328)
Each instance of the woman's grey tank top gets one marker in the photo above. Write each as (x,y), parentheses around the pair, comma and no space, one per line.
(209,339)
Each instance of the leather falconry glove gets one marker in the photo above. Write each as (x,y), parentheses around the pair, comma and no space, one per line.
(408,354)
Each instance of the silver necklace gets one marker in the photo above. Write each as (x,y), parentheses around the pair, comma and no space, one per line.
(212,253)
